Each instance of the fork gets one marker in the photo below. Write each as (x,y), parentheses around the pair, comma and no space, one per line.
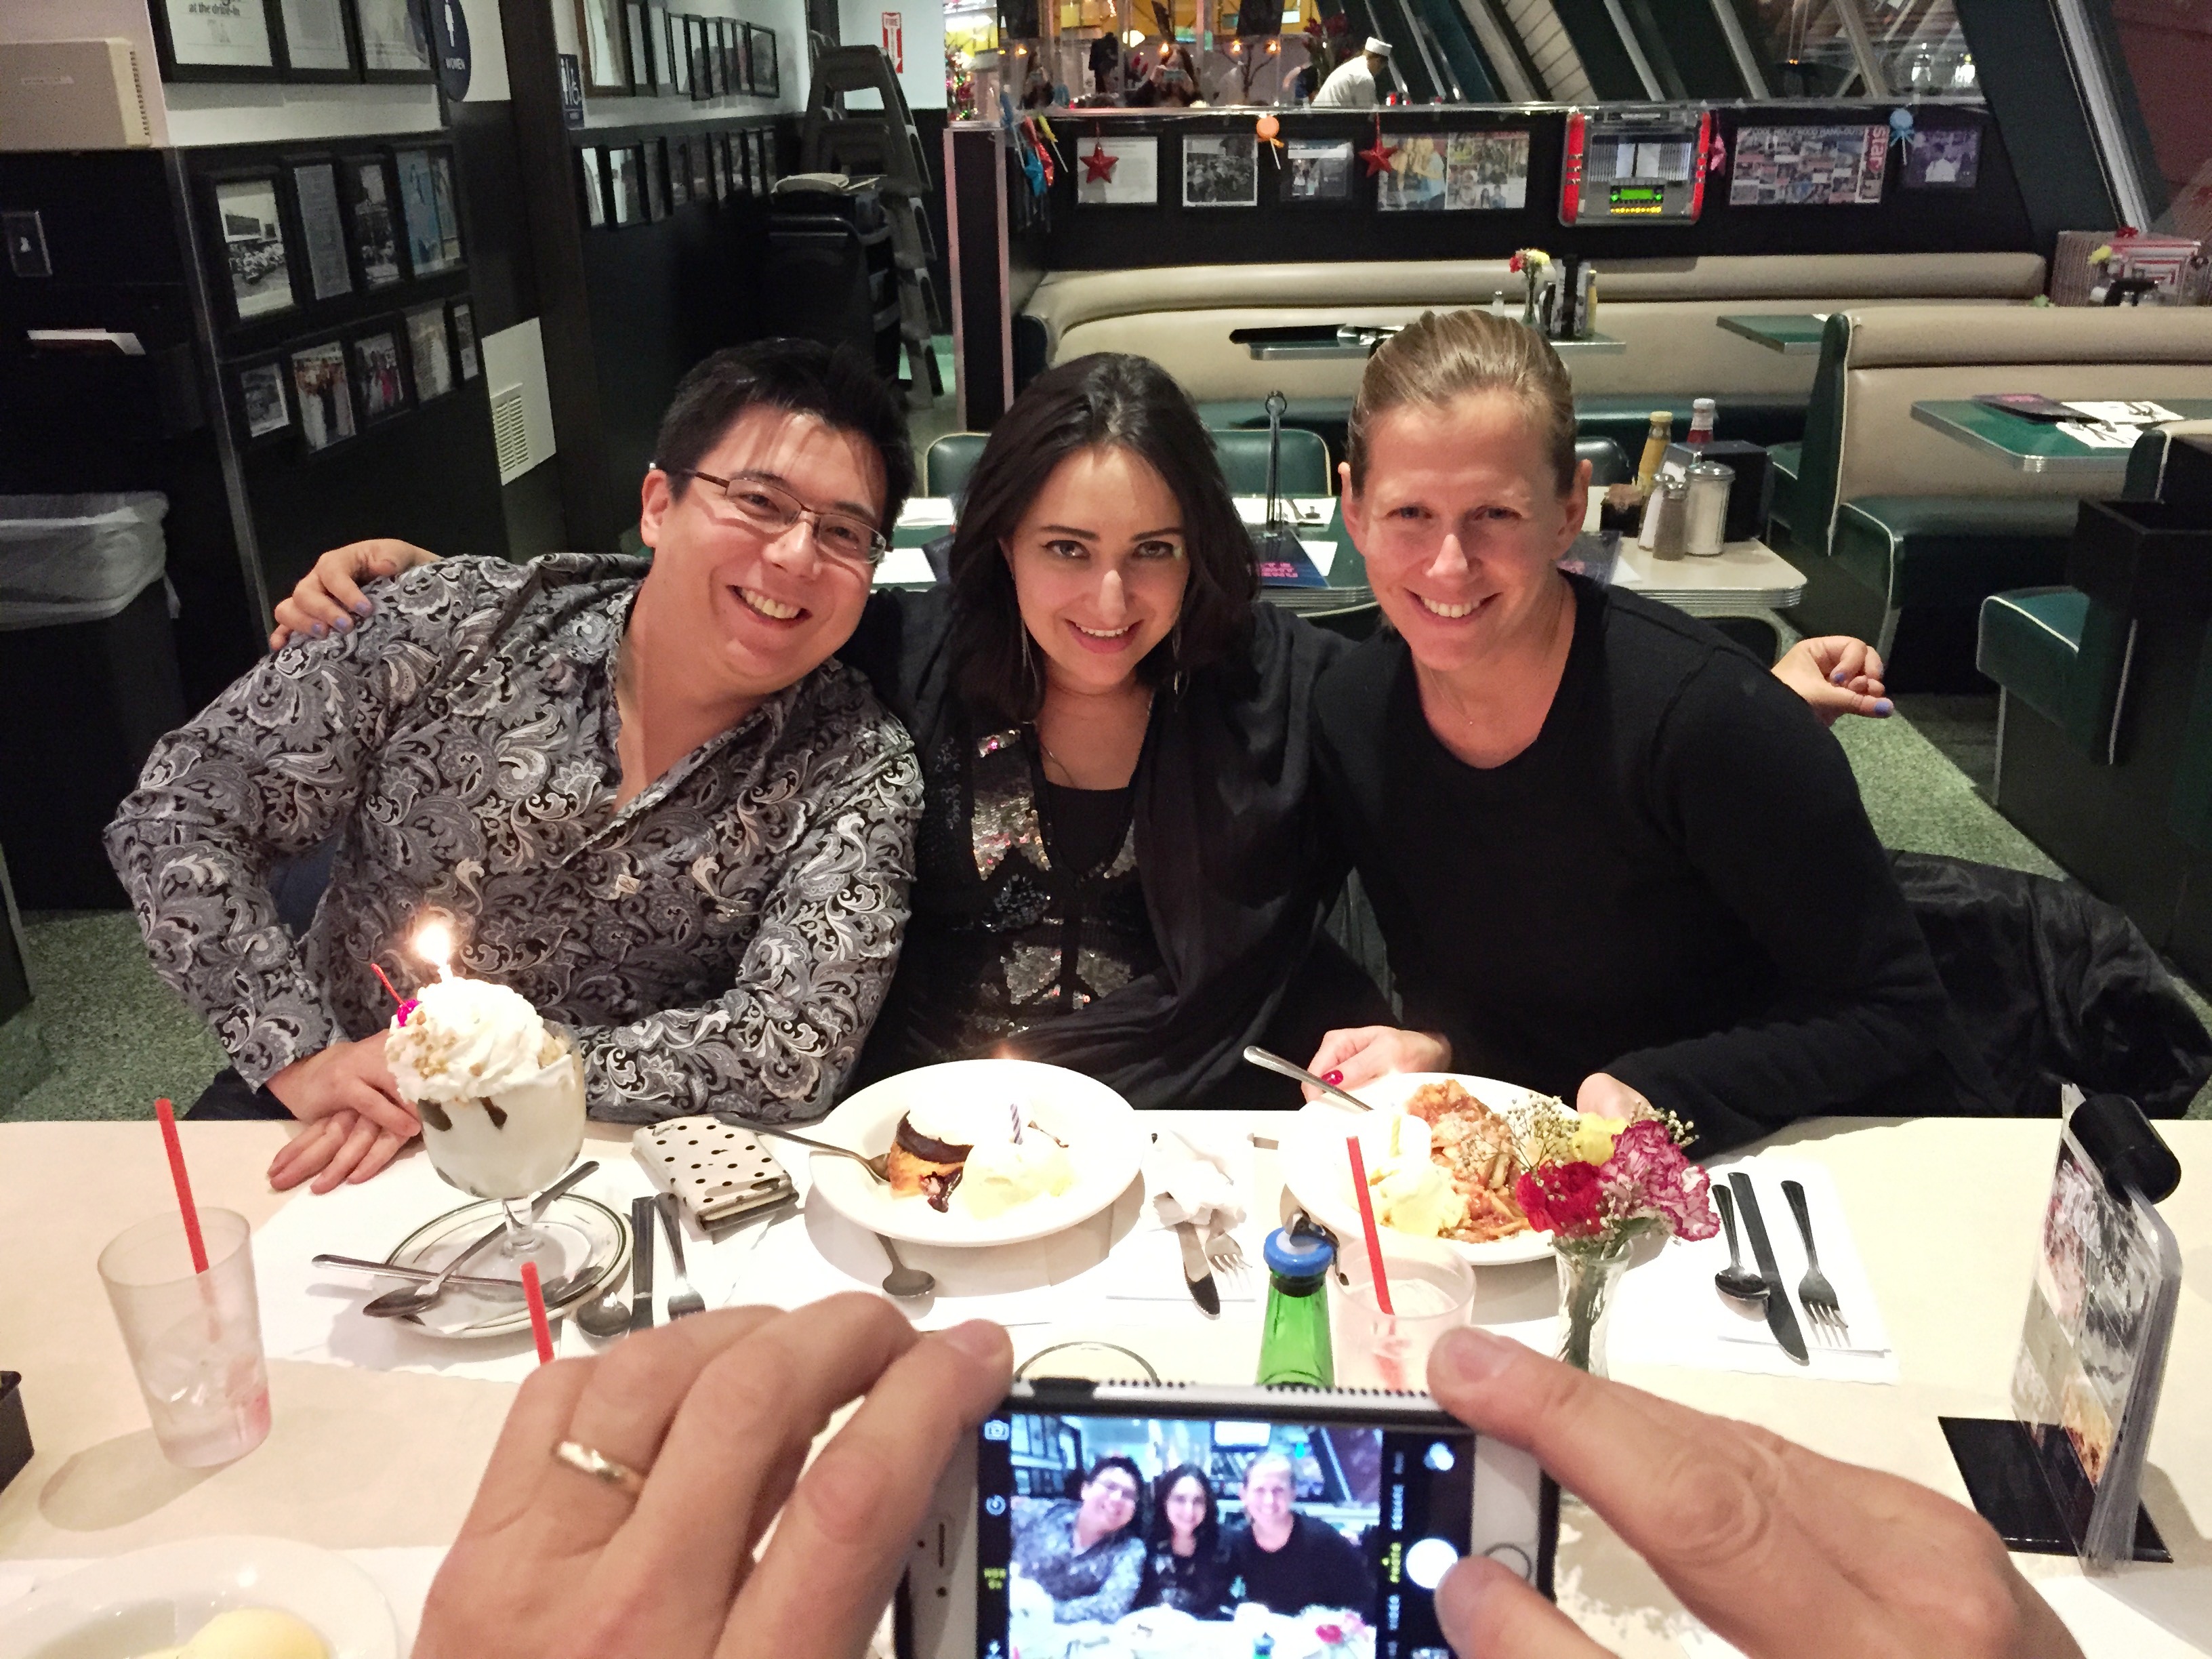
(878,1166)
(685,1300)
(1224,1254)
(1817,1295)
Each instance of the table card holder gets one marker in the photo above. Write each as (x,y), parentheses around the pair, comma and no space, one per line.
(15,1428)
(1284,561)
(2065,1476)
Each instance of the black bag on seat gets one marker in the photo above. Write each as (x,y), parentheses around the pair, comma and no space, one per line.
(2053,986)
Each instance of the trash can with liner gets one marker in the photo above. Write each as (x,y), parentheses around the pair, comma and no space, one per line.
(88,682)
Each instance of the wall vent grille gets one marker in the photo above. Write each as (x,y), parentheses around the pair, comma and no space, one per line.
(511,432)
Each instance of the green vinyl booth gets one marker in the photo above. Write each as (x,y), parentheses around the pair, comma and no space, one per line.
(1304,469)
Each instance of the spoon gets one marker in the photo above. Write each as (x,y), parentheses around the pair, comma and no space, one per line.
(1260,1057)
(1735,1280)
(878,1166)
(407,1302)
(902,1280)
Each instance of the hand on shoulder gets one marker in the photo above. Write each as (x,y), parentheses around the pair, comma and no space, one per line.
(328,599)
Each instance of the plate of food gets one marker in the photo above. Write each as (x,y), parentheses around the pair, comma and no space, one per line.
(1441,1153)
(980,1151)
(207,1598)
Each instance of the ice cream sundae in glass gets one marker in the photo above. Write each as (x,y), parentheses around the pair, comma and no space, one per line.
(500,1088)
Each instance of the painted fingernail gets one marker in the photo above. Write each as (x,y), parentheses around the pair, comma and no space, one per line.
(1470,1354)
(1837,677)
(1884,706)
(1335,1079)
(363,607)
(343,624)
(979,1339)
(319,630)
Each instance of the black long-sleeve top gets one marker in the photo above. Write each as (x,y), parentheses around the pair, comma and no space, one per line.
(1675,883)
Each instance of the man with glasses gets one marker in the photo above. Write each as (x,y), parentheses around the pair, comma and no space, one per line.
(642,794)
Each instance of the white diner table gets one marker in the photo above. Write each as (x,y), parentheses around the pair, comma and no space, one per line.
(1946,1216)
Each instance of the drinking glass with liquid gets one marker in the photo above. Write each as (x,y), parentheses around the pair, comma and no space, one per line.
(1431,1292)
(194,1338)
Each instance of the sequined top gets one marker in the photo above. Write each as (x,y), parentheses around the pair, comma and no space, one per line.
(1004,934)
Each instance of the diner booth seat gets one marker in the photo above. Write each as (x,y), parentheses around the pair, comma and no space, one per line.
(1887,516)
(1304,467)
(1664,310)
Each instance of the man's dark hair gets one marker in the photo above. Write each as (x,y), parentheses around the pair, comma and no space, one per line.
(1108,400)
(1116,1461)
(838,386)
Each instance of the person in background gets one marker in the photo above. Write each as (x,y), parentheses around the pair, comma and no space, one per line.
(1351,84)
(1187,1566)
(642,792)
(1081,1552)
(1288,1562)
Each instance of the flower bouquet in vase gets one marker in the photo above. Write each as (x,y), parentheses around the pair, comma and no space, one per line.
(1529,264)
(1597,1186)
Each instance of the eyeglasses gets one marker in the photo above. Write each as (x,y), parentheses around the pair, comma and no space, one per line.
(767,506)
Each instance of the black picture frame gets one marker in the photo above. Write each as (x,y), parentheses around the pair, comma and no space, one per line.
(625,186)
(717,165)
(681,55)
(429,347)
(249,382)
(326,248)
(468,352)
(720,32)
(287,14)
(641,49)
(376,238)
(374,21)
(198,68)
(604,51)
(325,396)
(591,181)
(701,82)
(734,48)
(767,159)
(656,180)
(428,204)
(756,162)
(249,286)
(656,32)
(702,168)
(762,79)
(679,173)
(376,352)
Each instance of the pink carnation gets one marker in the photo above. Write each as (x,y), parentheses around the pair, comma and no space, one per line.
(1648,1176)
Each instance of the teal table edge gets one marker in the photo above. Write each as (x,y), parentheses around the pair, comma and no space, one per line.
(1792,333)
(2035,446)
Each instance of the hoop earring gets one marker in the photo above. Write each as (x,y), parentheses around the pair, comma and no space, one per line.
(1175,656)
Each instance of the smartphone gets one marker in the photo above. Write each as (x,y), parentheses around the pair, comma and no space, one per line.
(1169,1520)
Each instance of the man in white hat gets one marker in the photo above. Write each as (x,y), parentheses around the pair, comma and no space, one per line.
(1351,85)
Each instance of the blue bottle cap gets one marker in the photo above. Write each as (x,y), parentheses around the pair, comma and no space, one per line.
(1304,1256)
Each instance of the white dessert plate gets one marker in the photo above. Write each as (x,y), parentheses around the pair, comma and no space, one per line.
(587,1250)
(1319,1174)
(157,1598)
(1104,1143)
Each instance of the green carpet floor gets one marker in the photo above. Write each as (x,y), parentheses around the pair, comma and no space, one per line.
(115,1037)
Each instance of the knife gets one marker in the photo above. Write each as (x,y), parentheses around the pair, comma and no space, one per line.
(641,1230)
(1197,1272)
(1781,1317)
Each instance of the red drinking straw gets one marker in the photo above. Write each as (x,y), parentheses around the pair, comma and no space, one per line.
(1367,1221)
(168,1114)
(538,1326)
(387,984)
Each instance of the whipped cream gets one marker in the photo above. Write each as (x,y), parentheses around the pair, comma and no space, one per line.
(964,1122)
(466,1039)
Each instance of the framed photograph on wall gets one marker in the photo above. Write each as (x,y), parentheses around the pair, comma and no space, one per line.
(1318,170)
(732,54)
(1943,158)
(264,408)
(684,31)
(594,187)
(640,52)
(760,77)
(700,60)
(656,38)
(378,373)
(449,198)
(702,168)
(606,57)
(679,173)
(326,412)
(626,187)
(656,179)
(711,56)
(464,339)
(767,136)
(255,251)
(427,212)
(322,228)
(429,353)
(394,43)
(1220,169)
(371,223)
(215,40)
(317,44)
(717,165)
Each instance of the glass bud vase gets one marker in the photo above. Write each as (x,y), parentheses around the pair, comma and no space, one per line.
(1589,1273)
(1530,315)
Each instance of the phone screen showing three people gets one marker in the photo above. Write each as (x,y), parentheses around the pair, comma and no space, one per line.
(1175,1536)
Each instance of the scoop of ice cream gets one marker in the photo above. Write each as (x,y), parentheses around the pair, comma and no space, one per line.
(999,1175)
(962,1122)
(1412,1193)
(256,1633)
(465,1039)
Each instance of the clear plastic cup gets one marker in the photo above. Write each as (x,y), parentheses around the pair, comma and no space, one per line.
(1431,1292)
(194,1339)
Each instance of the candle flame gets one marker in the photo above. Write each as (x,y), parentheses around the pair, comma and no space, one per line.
(433,943)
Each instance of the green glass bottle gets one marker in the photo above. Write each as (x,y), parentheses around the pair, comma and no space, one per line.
(1294,1346)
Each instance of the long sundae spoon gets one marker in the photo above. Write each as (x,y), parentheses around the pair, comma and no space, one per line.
(406,1303)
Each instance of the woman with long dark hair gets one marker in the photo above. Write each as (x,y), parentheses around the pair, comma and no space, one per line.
(1186,1563)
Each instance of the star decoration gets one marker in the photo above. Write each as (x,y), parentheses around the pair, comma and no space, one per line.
(1098,167)
(1378,158)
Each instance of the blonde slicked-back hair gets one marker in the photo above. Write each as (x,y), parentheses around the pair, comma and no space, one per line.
(1447,354)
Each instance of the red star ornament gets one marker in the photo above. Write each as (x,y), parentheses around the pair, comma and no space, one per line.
(1378,158)
(1098,167)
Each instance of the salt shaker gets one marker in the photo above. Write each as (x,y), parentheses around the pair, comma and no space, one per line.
(1709,483)
(1666,518)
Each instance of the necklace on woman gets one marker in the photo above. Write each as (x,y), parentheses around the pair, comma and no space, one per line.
(1067,771)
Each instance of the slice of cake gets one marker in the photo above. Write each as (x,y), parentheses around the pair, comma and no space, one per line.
(935,1144)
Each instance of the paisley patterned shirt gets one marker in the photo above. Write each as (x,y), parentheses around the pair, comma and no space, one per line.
(719,944)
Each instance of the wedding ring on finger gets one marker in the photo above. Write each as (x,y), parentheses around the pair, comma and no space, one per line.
(601,1467)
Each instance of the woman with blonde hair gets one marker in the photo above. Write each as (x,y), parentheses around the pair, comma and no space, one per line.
(1613,858)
